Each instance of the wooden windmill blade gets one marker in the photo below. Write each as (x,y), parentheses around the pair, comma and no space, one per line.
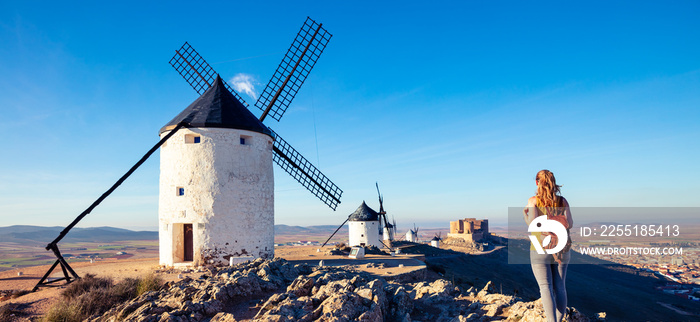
(283,86)
(305,173)
(196,71)
(381,200)
(291,73)
(382,213)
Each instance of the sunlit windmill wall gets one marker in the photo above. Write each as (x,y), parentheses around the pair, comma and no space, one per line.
(216,197)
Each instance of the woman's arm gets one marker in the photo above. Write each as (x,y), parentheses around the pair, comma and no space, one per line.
(567,211)
(530,212)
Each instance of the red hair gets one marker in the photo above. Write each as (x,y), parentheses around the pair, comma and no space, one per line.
(547,189)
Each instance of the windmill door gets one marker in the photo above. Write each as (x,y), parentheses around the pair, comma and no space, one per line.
(188,240)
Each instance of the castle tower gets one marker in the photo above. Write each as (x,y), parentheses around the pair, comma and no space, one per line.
(363,226)
(216,198)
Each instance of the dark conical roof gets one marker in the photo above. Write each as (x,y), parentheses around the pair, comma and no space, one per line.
(217,107)
(364,213)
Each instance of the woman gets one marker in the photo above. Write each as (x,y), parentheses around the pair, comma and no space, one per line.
(550,269)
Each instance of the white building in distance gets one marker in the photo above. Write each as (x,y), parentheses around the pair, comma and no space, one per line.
(363,226)
(216,197)
(435,242)
(412,236)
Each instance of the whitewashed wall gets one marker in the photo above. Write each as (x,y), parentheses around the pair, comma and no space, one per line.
(228,194)
(366,232)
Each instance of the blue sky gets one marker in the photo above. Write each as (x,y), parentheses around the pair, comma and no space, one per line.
(451,106)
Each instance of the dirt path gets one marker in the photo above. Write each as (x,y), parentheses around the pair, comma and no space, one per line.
(673,308)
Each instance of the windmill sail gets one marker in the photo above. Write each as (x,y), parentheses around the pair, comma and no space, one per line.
(283,86)
(196,71)
(291,73)
(305,173)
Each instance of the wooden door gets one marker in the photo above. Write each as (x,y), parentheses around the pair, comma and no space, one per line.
(189,247)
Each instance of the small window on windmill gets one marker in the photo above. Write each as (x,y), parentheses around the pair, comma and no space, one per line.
(180,191)
(246,140)
(192,138)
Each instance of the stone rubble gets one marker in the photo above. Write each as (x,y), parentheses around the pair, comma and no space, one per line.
(305,293)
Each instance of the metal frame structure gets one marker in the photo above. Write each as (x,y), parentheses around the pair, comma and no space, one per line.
(305,173)
(69,274)
(293,70)
(196,71)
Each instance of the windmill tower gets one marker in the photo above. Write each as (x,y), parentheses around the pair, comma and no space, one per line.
(216,201)
(363,227)
(435,242)
(412,235)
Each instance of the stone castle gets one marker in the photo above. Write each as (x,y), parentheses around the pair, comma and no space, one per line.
(469,229)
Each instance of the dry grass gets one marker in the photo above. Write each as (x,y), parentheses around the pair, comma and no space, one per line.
(147,283)
(95,295)
(9,312)
(11,294)
(85,285)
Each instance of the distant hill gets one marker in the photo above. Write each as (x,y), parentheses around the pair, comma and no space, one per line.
(30,235)
(40,235)
(310,230)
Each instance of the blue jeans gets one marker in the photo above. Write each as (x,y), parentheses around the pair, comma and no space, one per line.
(551,277)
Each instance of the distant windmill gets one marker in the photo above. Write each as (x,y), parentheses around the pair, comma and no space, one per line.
(435,242)
(365,226)
(216,183)
(387,229)
(412,234)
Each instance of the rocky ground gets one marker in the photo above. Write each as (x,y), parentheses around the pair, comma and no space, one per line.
(277,290)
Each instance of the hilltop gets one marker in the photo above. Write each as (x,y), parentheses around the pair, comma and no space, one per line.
(623,292)
(278,290)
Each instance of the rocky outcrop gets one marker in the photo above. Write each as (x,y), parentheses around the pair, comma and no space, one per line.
(205,297)
(302,293)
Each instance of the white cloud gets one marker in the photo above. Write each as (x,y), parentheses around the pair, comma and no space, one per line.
(245,83)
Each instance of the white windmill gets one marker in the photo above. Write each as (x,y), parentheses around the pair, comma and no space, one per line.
(216,199)
(435,242)
(412,235)
(363,227)
(366,225)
